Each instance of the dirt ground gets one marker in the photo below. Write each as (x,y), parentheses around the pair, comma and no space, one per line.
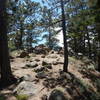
(80,77)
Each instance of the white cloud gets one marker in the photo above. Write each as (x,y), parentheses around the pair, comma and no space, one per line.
(60,37)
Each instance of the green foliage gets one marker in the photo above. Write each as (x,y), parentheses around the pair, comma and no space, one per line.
(47,23)
(24,24)
(86,88)
(97,83)
(22,97)
(92,3)
(2,97)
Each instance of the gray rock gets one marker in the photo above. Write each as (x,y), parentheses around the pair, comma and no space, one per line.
(49,61)
(32,64)
(57,63)
(80,55)
(52,56)
(47,65)
(41,75)
(40,69)
(27,78)
(66,76)
(52,52)
(37,60)
(26,88)
(57,95)
(91,67)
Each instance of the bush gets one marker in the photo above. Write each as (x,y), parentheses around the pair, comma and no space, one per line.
(21,97)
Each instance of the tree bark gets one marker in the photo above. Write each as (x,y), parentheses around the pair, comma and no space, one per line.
(65,66)
(75,46)
(89,45)
(98,30)
(6,74)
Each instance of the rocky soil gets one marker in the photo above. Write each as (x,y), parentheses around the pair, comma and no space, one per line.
(40,77)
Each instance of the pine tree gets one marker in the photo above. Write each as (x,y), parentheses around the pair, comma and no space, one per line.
(6,74)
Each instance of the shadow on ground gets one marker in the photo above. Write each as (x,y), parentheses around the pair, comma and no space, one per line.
(76,88)
(93,76)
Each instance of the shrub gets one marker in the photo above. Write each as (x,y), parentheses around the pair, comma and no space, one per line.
(22,97)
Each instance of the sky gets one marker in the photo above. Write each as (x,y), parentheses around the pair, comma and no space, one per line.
(59,35)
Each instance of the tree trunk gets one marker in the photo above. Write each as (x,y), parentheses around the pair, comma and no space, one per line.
(21,35)
(75,46)
(89,45)
(83,47)
(98,30)
(50,34)
(65,66)
(6,74)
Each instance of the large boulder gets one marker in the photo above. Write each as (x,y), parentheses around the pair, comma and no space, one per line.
(57,95)
(26,88)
